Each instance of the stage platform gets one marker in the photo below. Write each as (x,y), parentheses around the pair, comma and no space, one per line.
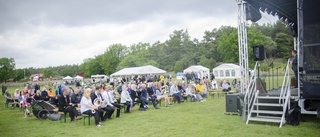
(276,92)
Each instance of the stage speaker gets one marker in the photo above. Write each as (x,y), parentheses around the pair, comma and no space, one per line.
(258,53)
(232,103)
(252,13)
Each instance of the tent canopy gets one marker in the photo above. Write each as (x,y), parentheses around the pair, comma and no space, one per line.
(78,77)
(67,78)
(227,70)
(196,68)
(139,71)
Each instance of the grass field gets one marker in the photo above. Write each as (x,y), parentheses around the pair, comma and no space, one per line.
(195,119)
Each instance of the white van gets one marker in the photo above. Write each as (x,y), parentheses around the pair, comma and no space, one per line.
(98,78)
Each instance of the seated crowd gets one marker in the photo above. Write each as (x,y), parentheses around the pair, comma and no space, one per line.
(101,101)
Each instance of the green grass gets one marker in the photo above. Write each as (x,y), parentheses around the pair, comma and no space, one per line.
(198,119)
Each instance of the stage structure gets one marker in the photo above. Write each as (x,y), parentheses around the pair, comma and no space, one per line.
(302,18)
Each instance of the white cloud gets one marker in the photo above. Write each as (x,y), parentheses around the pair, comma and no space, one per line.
(39,35)
(44,45)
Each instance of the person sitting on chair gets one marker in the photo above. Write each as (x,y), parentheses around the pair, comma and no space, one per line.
(102,96)
(201,89)
(76,97)
(16,95)
(37,96)
(86,107)
(174,91)
(9,98)
(108,95)
(96,95)
(51,94)
(136,97)
(152,96)
(191,93)
(125,98)
(44,94)
(66,106)
(225,86)
(160,95)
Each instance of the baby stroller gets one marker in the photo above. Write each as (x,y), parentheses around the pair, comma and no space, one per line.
(42,109)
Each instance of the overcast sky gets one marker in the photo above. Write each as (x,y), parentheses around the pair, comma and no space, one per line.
(42,33)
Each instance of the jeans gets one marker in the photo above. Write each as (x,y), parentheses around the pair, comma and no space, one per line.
(204,95)
(128,104)
(178,96)
(192,97)
(153,100)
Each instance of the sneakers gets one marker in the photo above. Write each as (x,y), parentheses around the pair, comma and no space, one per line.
(156,107)
(78,117)
(201,101)
(170,105)
(99,125)
(142,109)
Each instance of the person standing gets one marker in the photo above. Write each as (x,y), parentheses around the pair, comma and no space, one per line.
(59,89)
(295,66)
(4,88)
(234,83)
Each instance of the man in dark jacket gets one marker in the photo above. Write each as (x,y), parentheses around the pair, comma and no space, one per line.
(295,65)
(66,106)
(4,88)
(152,96)
(36,87)
(96,94)
(76,97)
(44,95)
(136,97)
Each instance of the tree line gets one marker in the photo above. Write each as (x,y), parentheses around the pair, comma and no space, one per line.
(219,45)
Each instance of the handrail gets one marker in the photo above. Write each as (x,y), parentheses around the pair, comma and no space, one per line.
(285,93)
(285,83)
(285,107)
(249,96)
(251,81)
(251,108)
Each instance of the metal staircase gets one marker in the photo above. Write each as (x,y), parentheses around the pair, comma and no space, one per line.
(266,108)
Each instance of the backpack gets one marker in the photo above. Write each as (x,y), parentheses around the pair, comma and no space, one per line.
(293,115)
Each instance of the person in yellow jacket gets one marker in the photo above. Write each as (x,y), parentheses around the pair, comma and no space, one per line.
(201,89)
(161,78)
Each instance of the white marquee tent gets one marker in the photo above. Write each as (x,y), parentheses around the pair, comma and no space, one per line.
(139,71)
(227,70)
(197,68)
(67,78)
(78,77)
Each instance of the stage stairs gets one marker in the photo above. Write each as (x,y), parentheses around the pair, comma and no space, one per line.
(269,108)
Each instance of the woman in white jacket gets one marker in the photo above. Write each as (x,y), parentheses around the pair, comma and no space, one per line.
(126,98)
